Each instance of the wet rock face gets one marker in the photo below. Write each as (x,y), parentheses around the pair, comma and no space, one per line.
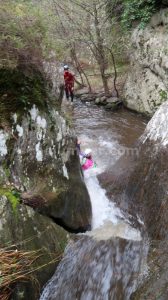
(39,158)
(71,208)
(41,161)
(38,162)
(147,191)
(147,187)
(139,183)
(141,190)
(146,86)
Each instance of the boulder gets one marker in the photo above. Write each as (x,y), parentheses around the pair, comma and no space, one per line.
(113,105)
(98,101)
(112,100)
(83,97)
(22,229)
(110,106)
(103,99)
(71,209)
(87,97)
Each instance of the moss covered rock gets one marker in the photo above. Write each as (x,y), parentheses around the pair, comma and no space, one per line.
(40,165)
(38,154)
(24,229)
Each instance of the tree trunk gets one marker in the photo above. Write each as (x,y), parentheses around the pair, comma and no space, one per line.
(104,80)
(115,72)
(74,58)
(100,57)
(79,68)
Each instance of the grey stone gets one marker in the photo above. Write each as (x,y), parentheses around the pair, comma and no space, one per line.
(112,100)
(87,97)
(146,86)
(97,101)
(103,99)
(114,106)
(109,106)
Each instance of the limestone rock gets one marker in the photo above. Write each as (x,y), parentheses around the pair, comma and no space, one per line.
(146,87)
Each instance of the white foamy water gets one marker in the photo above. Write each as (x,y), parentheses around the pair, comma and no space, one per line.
(107,219)
(102,209)
(103,264)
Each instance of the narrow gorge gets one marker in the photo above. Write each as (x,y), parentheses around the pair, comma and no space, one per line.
(67,233)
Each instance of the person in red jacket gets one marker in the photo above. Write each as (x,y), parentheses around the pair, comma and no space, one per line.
(69,83)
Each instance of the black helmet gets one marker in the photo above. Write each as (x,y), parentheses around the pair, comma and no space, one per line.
(66,67)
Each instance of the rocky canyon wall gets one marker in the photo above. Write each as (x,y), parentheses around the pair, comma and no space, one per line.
(41,183)
(146,86)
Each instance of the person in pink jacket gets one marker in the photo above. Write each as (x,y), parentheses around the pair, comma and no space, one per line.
(87,161)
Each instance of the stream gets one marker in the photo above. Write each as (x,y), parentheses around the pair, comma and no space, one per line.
(106,263)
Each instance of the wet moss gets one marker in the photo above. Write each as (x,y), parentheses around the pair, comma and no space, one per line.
(19,92)
(13,197)
(68,118)
(6,169)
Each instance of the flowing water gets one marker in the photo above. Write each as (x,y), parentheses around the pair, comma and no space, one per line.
(106,262)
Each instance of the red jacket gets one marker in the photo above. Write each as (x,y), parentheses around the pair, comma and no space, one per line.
(68,78)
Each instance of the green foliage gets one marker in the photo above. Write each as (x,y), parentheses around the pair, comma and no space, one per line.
(163,95)
(129,12)
(25,33)
(137,10)
(13,196)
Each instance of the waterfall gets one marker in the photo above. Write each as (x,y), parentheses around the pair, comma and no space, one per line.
(105,263)
(102,264)
(96,270)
